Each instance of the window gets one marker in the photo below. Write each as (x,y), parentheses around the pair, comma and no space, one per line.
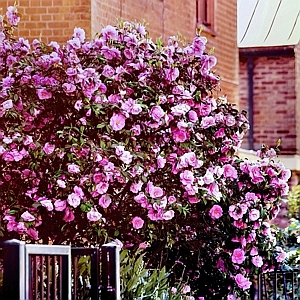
(205,13)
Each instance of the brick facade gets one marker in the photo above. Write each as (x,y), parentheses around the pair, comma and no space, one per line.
(56,19)
(276,108)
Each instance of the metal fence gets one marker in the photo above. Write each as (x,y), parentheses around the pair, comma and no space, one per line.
(278,285)
(58,272)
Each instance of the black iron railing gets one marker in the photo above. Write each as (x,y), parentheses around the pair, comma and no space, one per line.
(58,272)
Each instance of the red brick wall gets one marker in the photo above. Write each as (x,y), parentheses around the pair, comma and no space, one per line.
(56,19)
(275,110)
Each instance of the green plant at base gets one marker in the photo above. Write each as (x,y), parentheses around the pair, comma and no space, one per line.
(138,282)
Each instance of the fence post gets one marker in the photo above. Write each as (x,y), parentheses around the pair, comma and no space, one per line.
(14,269)
(110,264)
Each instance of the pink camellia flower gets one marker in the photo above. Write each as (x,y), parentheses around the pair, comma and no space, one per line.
(143,245)
(79,33)
(242,282)
(156,113)
(137,222)
(281,257)
(73,200)
(73,168)
(33,233)
(136,187)
(168,215)
(109,32)
(257,261)
(187,177)
(155,191)
(160,162)
(43,94)
(254,214)
(238,256)
(216,212)
(69,215)
(60,205)
(255,174)
(208,122)
(179,136)
(253,251)
(48,204)
(61,183)
(117,121)
(7,104)
(105,201)
(193,117)
(12,15)
(27,216)
(186,289)
(48,148)
(102,187)
(231,297)
(230,172)
(93,215)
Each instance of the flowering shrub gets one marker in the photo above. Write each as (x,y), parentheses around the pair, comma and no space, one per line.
(122,137)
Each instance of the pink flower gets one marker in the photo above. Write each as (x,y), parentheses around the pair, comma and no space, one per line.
(137,222)
(69,215)
(257,261)
(78,105)
(253,251)
(160,162)
(238,256)
(48,204)
(207,122)
(60,205)
(281,257)
(102,187)
(186,289)
(7,104)
(168,215)
(79,33)
(117,121)
(254,214)
(216,212)
(109,32)
(48,148)
(255,174)
(33,233)
(193,117)
(136,187)
(156,113)
(105,201)
(242,282)
(155,191)
(61,183)
(187,177)
(73,168)
(230,172)
(43,94)
(143,245)
(179,136)
(73,200)
(27,217)
(93,215)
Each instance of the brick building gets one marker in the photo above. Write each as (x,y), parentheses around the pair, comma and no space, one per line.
(269,55)
(56,19)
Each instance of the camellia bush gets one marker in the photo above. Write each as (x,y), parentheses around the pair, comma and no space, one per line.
(121,137)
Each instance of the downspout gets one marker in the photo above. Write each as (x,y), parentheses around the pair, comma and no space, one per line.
(250,68)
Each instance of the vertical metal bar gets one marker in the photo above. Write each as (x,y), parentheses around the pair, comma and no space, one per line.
(75,277)
(54,282)
(35,277)
(110,288)
(275,293)
(48,281)
(60,277)
(14,269)
(95,274)
(42,277)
